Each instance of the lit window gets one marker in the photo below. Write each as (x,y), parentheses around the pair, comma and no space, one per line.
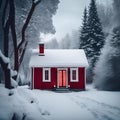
(74,75)
(46,74)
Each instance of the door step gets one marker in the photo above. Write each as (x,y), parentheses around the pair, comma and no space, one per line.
(61,90)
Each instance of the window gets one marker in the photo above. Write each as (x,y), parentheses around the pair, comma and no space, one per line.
(74,75)
(46,74)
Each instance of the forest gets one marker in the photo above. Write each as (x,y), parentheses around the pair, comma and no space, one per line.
(23,22)
(26,23)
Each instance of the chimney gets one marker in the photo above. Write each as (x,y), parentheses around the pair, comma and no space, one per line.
(41,49)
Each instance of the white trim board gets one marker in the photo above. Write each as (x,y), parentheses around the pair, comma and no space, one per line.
(71,80)
(49,76)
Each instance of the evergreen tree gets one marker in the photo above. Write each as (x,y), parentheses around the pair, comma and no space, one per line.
(84,32)
(107,71)
(91,37)
(95,40)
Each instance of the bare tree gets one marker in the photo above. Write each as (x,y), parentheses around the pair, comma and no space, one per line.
(5,26)
(4,61)
(8,23)
(19,49)
(22,45)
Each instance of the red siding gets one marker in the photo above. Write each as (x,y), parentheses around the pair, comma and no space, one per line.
(81,77)
(39,84)
(38,79)
(54,76)
(31,78)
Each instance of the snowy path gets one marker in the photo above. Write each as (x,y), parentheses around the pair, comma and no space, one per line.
(99,110)
(72,106)
(62,108)
(49,105)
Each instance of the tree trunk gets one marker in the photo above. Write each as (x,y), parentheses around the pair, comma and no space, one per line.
(13,31)
(4,12)
(0,3)
(4,65)
(6,73)
(7,78)
(6,38)
(5,27)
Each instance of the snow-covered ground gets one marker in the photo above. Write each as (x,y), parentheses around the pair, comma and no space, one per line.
(25,104)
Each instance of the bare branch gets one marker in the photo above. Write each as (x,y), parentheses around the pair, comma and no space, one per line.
(0,3)
(4,12)
(27,21)
(13,31)
(6,37)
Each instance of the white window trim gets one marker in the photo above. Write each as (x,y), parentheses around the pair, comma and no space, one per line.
(71,80)
(49,80)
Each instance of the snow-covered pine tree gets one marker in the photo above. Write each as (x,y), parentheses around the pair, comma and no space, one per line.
(114,80)
(84,33)
(95,40)
(107,71)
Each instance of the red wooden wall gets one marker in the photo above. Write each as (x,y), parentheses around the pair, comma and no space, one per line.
(81,77)
(39,84)
(38,79)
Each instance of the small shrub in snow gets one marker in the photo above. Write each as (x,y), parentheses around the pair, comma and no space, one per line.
(11,93)
(31,101)
(45,113)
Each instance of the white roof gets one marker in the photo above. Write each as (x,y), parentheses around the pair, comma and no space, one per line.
(59,58)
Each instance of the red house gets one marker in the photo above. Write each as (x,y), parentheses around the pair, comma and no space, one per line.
(58,68)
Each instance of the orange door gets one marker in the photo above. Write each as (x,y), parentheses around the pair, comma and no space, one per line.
(62,78)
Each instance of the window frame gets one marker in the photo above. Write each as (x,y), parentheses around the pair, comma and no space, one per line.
(44,80)
(71,70)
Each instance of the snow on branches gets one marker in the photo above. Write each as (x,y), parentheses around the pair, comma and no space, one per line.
(5,63)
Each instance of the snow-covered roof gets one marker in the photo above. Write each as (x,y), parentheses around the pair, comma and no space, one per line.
(59,58)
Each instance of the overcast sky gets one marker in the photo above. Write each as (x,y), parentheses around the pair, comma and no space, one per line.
(69,15)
